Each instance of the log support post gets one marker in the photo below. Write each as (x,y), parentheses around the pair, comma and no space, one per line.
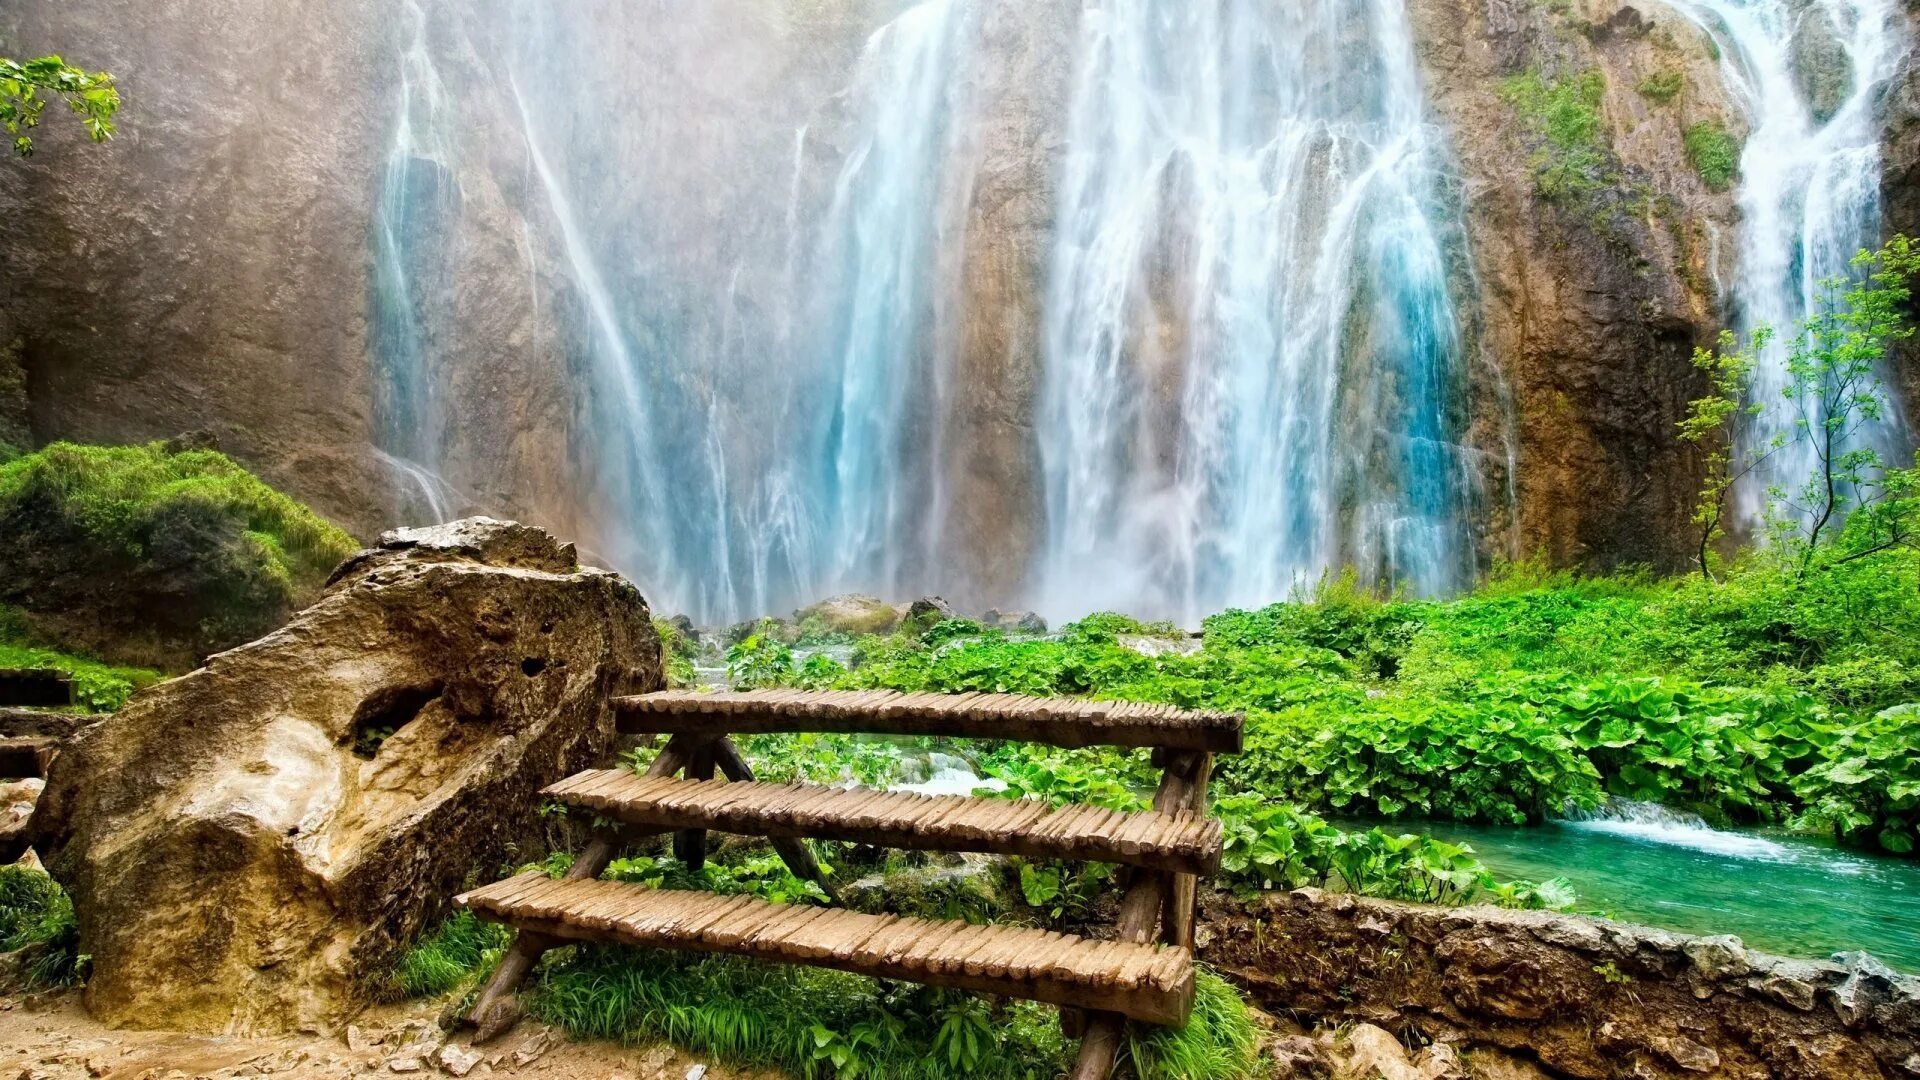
(496,1009)
(793,851)
(1151,905)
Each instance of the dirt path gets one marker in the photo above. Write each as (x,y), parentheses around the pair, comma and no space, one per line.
(51,1037)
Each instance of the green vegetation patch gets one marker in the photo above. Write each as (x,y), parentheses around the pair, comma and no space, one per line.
(1573,161)
(1715,153)
(186,550)
(97,687)
(37,916)
(1662,86)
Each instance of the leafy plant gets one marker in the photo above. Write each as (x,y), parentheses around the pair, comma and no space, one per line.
(1564,114)
(37,915)
(1662,86)
(27,86)
(1715,153)
(759,661)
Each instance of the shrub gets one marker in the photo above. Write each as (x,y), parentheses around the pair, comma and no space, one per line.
(1715,153)
(36,915)
(457,952)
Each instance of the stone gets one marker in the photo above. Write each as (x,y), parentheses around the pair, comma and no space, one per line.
(1688,1054)
(1297,1057)
(1789,991)
(1014,622)
(359,1040)
(1155,645)
(852,614)
(534,1048)
(1487,1063)
(698,1072)
(1718,958)
(457,1060)
(483,540)
(1373,1052)
(930,609)
(293,813)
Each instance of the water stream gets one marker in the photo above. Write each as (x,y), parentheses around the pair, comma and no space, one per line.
(1779,892)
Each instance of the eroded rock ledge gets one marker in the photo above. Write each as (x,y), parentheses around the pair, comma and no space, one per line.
(251,843)
(1581,997)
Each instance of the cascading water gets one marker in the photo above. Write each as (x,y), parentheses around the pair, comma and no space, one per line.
(414,192)
(1253,358)
(1809,76)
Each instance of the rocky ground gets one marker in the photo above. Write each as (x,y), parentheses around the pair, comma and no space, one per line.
(51,1037)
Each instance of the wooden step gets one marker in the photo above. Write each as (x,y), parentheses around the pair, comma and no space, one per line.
(1066,722)
(35,686)
(1145,982)
(1182,842)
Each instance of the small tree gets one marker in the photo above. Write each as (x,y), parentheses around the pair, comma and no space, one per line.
(1712,423)
(25,89)
(1833,382)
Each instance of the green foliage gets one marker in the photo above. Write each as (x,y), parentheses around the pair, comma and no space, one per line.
(1867,788)
(97,687)
(809,1022)
(677,652)
(764,876)
(1711,425)
(1573,161)
(1662,86)
(1220,1042)
(143,539)
(759,661)
(26,88)
(1715,153)
(37,915)
(1269,845)
(455,954)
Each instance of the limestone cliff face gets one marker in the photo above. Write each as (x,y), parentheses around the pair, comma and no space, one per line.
(1591,305)
(208,270)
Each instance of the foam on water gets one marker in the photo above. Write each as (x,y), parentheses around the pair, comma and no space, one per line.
(1653,824)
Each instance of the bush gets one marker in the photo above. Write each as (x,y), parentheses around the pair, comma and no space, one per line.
(1715,153)
(143,552)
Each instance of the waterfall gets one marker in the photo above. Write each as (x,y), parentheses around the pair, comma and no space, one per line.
(1808,75)
(413,199)
(1253,359)
(881,269)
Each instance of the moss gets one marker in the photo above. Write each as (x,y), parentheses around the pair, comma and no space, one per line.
(1662,86)
(1573,162)
(1715,153)
(185,551)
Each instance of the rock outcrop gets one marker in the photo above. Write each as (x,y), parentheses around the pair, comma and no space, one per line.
(251,843)
(1591,302)
(1578,996)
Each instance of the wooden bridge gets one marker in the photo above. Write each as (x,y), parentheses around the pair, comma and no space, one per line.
(1144,972)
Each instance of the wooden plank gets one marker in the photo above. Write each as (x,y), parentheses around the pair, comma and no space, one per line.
(1057,722)
(793,850)
(1181,843)
(39,687)
(1082,974)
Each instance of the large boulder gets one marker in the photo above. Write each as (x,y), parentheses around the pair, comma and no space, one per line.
(250,845)
(854,614)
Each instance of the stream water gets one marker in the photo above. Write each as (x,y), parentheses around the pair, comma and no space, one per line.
(1780,893)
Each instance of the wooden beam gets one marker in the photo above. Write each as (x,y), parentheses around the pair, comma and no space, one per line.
(690,845)
(26,757)
(1176,915)
(1140,911)
(496,1010)
(794,851)
(1065,722)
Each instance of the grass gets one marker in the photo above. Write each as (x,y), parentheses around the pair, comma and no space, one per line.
(1573,161)
(97,687)
(1662,86)
(455,953)
(35,913)
(1220,1042)
(1715,153)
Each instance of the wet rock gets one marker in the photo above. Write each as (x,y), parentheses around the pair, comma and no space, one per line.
(1579,996)
(292,813)
(1373,1052)
(852,614)
(1297,1057)
(929,610)
(1821,66)
(1153,645)
(1014,622)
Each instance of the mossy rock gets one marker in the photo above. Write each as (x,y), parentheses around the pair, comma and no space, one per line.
(154,555)
(854,616)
